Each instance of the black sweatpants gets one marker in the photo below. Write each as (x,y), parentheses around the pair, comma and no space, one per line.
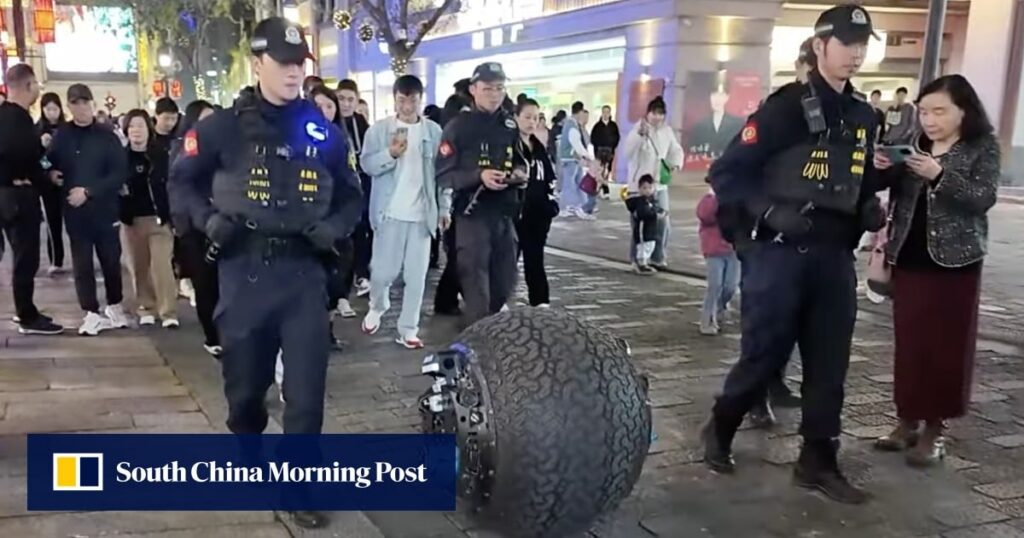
(446,296)
(19,219)
(533,236)
(53,202)
(192,248)
(88,237)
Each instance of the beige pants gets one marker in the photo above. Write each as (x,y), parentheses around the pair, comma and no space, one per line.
(150,247)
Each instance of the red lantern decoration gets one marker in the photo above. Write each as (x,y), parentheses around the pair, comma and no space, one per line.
(45,24)
(159,88)
(175,89)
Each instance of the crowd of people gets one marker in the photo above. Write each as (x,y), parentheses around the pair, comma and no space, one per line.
(485,176)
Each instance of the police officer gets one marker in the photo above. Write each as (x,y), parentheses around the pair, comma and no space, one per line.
(798,181)
(282,194)
(475,160)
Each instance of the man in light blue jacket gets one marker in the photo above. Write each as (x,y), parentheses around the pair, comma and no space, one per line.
(406,207)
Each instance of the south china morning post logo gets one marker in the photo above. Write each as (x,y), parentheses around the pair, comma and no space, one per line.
(226,472)
(77,472)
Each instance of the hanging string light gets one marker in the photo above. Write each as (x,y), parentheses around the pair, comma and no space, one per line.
(342,19)
(399,65)
(365,32)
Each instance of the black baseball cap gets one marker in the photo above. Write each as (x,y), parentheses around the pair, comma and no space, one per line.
(848,23)
(488,72)
(79,92)
(283,40)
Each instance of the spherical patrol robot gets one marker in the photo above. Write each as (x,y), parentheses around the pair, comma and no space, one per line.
(552,420)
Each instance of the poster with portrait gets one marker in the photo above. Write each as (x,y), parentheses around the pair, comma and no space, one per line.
(715,109)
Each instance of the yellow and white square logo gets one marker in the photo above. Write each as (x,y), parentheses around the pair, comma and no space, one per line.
(78,472)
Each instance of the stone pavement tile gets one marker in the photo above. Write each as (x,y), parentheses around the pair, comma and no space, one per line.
(867,432)
(79,421)
(173,404)
(1008,441)
(867,398)
(881,378)
(419,524)
(995,530)
(1006,385)
(1013,507)
(86,395)
(959,464)
(993,471)
(988,396)
(31,347)
(275,530)
(967,515)
(152,420)
(97,523)
(1002,490)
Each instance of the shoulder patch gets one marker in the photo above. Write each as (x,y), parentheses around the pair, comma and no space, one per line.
(510,123)
(446,150)
(191,144)
(749,134)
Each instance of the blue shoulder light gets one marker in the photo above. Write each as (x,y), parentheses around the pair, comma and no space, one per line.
(316,131)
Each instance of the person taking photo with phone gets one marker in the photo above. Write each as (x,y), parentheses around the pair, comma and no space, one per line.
(941,195)
(475,159)
(407,208)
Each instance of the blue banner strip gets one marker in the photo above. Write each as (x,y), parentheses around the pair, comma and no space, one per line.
(242,472)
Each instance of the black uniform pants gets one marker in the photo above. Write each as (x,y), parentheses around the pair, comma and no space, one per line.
(19,219)
(88,237)
(192,247)
(802,295)
(776,385)
(269,304)
(487,250)
(342,274)
(53,203)
(446,296)
(533,236)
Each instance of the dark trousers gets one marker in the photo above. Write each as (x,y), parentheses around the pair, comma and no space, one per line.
(20,222)
(342,274)
(793,295)
(89,237)
(533,235)
(191,252)
(53,202)
(446,296)
(362,249)
(487,250)
(266,305)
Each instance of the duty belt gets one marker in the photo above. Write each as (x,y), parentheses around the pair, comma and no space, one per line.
(277,246)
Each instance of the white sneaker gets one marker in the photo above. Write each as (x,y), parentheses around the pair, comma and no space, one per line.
(544,305)
(504,308)
(185,289)
(93,324)
(362,287)
(279,376)
(216,351)
(345,309)
(54,270)
(116,315)
(371,323)
(147,320)
(171,323)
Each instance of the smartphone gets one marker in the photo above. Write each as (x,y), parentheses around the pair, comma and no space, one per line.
(898,154)
(519,176)
(402,133)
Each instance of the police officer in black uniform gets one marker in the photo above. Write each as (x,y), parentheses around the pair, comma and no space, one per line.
(475,160)
(283,193)
(798,181)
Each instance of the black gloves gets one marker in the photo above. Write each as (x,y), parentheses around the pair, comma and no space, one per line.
(787,221)
(321,236)
(872,215)
(221,230)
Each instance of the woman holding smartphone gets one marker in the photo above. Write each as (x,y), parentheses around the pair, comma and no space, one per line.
(531,161)
(938,235)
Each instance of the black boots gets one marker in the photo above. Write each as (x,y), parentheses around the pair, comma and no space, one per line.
(309,519)
(818,468)
(761,415)
(718,446)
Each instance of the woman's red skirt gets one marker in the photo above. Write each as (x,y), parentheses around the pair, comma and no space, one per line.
(935,313)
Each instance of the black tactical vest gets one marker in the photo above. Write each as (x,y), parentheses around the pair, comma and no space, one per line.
(824,172)
(272,187)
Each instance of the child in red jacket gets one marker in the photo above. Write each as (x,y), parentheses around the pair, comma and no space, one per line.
(723,266)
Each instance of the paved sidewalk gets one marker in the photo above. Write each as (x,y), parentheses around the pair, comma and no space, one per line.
(158,380)
(115,383)
(608,237)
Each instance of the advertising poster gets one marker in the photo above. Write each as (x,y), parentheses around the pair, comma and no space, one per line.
(716,107)
(93,40)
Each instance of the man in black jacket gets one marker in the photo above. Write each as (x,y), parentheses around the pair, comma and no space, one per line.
(90,166)
(21,177)
(605,137)
(355,127)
